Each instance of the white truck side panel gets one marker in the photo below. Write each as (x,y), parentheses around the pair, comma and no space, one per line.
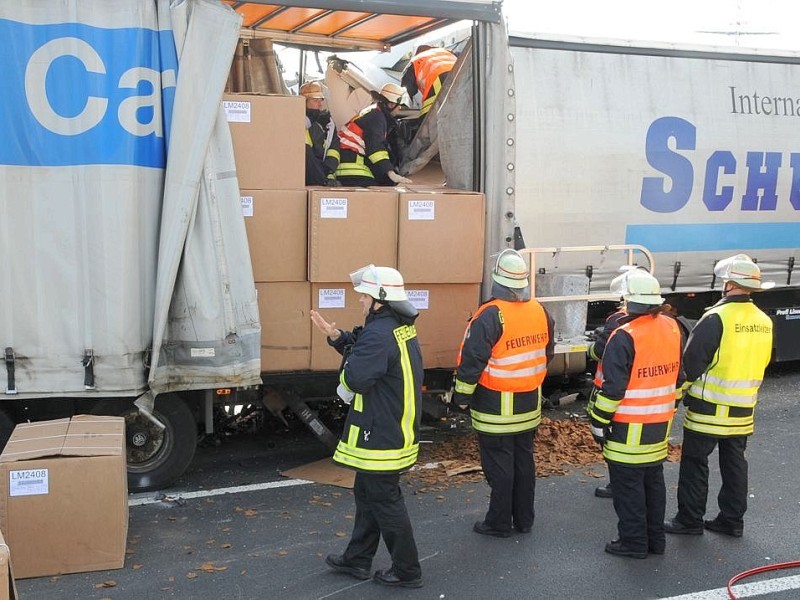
(89,259)
(616,147)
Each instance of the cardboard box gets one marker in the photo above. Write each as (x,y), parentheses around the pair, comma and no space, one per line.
(350,228)
(444,311)
(8,589)
(337,303)
(440,237)
(64,495)
(269,142)
(277,233)
(285,325)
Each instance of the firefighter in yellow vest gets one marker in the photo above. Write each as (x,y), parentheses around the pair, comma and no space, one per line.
(381,380)
(725,359)
(501,366)
(633,411)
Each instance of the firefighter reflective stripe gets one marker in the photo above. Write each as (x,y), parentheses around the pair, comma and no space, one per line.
(464,388)
(402,335)
(351,137)
(333,153)
(358,403)
(649,409)
(505,424)
(632,453)
(720,423)
(353,452)
(378,156)
(371,459)
(667,390)
(356,168)
(726,391)
(427,104)
(309,143)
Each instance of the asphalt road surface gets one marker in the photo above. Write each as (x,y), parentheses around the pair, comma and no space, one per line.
(234,528)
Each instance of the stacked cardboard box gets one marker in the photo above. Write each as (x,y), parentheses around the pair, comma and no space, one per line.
(269,146)
(440,254)
(8,588)
(64,496)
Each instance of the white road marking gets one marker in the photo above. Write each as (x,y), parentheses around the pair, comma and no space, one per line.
(144,500)
(745,590)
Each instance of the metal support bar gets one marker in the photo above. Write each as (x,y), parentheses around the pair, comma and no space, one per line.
(88,369)
(11,386)
(791,268)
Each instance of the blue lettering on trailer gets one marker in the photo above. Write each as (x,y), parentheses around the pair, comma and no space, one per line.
(79,95)
(671,192)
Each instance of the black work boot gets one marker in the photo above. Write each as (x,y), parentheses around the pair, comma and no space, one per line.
(338,563)
(604,491)
(676,527)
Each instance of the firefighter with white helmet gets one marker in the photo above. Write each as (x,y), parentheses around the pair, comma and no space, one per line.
(725,359)
(365,142)
(381,379)
(502,363)
(633,410)
(322,139)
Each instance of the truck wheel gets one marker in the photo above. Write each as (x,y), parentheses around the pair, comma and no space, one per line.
(156,457)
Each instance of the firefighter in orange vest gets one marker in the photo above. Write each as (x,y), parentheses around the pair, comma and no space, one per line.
(632,414)
(425,73)
(501,366)
(364,155)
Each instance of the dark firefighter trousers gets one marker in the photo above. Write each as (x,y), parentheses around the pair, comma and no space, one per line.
(508,465)
(693,478)
(381,511)
(640,500)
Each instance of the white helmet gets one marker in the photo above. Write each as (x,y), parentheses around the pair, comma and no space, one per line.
(510,269)
(743,272)
(641,288)
(385,284)
(392,93)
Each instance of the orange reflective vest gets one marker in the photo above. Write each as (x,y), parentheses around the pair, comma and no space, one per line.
(518,362)
(650,395)
(428,66)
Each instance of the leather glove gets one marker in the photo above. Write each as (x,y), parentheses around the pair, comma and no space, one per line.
(598,432)
(345,394)
(397,178)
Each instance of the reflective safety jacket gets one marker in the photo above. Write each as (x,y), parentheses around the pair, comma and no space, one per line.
(383,367)
(322,147)
(364,147)
(502,363)
(726,356)
(642,371)
(426,73)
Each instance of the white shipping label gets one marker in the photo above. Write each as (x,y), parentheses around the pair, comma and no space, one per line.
(247,206)
(421,210)
(331,298)
(418,298)
(203,353)
(237,111)
(333,208)
(29,482)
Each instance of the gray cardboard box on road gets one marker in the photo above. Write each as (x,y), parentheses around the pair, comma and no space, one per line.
(64,496)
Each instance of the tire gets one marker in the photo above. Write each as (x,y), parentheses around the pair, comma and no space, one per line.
(156,458)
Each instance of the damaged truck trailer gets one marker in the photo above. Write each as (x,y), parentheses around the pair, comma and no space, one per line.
(128,285)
